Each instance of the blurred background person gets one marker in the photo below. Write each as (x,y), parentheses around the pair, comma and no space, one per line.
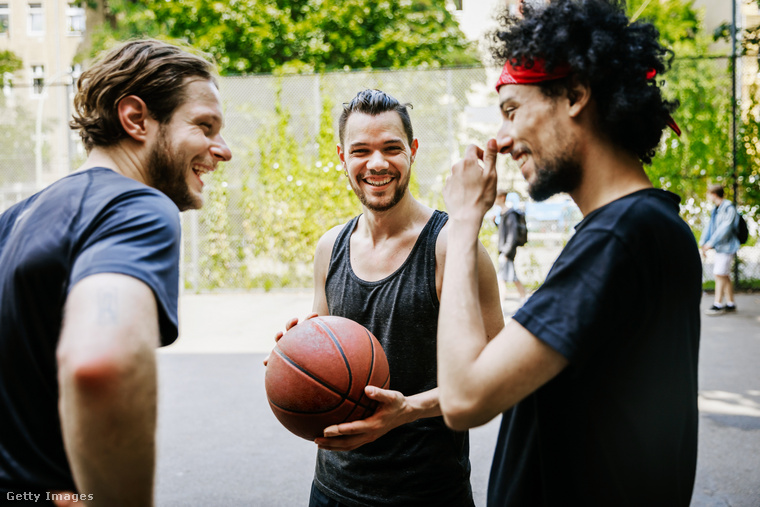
(720,235)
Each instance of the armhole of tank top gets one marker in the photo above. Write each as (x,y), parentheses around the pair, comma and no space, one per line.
(341,243)
(440,222)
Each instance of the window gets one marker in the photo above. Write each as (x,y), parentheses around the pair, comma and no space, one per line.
(36,24)
(74,19)
(4,18)
(38,79)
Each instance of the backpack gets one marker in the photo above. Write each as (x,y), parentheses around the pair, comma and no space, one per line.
(521,234)
(742,232)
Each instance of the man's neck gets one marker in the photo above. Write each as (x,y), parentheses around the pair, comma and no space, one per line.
(387,224)
(119,158)
(608,175)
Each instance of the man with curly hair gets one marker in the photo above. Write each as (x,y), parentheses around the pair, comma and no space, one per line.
(596,375)
(89,281)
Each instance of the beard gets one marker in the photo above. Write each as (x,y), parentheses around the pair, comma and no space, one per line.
(167,173)
(380,207)
(561,174)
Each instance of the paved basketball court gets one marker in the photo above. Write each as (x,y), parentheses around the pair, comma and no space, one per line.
(220,445)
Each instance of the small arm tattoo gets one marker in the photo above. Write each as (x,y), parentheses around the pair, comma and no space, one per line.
(108,313)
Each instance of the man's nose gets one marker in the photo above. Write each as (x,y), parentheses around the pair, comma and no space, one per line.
(504,138)
(377,161)
(221,151)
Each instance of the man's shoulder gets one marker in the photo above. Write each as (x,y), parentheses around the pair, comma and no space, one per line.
(109,192)
(636,207)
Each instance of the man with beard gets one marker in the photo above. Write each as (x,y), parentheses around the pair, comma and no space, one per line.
(384,269)
(89,279)
(596,375)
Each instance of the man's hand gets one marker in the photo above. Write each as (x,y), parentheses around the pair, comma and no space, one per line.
(392,411)
(288,325)
(59,501)
(470,191)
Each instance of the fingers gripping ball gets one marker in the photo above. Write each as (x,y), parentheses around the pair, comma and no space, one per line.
(317,373)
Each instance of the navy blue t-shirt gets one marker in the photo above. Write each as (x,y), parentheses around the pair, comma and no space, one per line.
(90,222)
(618,426)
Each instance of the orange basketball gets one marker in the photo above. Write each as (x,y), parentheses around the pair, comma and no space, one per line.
(317,373)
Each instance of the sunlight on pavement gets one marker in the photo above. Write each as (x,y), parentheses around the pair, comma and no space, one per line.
(724,402)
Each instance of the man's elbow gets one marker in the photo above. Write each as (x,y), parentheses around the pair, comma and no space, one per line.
(93,375)
(98,374)
(460,413)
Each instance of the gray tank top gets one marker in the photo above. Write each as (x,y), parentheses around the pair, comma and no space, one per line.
(424,462)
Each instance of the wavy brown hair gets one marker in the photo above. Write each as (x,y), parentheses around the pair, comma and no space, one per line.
(153,70)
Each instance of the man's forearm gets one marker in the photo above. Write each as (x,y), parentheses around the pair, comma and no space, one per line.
(425,404)
(461,331)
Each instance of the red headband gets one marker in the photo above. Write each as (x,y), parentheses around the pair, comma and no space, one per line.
(517,74)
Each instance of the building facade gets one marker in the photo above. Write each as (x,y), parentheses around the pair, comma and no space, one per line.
(45,35)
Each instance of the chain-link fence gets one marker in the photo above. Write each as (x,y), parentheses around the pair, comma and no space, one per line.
(266,209)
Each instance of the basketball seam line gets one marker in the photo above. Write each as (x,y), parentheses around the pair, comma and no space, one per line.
(340,349)
(357,403)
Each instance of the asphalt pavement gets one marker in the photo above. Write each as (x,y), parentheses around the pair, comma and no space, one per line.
(220,445)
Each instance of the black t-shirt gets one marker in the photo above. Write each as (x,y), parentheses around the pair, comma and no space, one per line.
(94,221)
(618,426)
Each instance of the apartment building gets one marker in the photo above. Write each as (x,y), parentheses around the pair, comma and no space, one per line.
(45,35)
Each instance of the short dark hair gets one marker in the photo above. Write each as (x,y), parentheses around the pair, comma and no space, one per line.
(607,52)
(716,189)
(373,103)
(153,70)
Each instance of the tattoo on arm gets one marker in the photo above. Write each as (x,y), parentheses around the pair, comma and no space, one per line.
(107,307)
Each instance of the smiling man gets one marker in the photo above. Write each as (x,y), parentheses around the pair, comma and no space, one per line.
(596,375)
(89,279)
(384,269)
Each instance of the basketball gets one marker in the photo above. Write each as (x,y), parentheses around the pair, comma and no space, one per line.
(317,372)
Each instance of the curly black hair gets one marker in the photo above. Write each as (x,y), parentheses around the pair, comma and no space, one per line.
(613,56)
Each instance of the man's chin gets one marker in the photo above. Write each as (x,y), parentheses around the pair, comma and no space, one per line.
(195,204)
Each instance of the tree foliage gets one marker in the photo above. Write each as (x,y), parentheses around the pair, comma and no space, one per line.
(9,63)
(749,36)
(701,156)
(254,36)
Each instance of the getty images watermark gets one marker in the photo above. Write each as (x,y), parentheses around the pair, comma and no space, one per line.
(47,497)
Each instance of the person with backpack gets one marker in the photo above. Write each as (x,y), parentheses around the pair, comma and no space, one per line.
(721,235)
(513,233)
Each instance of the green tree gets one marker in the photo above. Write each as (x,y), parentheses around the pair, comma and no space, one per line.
(218,263)
(9,63)
(687,164)
(254,36)
(293,197)
(749,36)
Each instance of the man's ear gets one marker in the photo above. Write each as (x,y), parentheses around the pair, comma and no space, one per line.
(341,156)
(134,117)
(415,145)
(578,97)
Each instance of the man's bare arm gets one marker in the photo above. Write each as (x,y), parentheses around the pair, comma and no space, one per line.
(108,391)
(478,378)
